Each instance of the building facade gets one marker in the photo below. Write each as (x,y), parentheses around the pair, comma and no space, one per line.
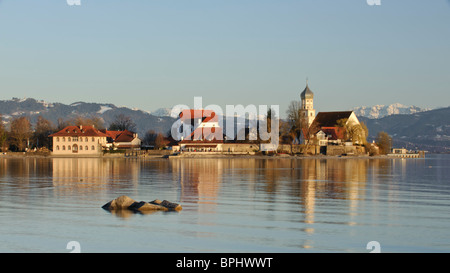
(78,140)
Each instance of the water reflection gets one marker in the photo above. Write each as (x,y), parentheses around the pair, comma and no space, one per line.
(231,204)
(86,175)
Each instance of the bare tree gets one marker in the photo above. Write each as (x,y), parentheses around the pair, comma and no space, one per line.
(3,136)
(43,129)
(95,121)
(150,137)
(20,132)
(159,141)
(295,119)
(121,123)
(357,133)
(384,142)
(299,125)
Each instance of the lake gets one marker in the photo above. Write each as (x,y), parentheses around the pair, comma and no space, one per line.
(242,204)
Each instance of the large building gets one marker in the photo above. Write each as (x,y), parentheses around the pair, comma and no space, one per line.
(78,140)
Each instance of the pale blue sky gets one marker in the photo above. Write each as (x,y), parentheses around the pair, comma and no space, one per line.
(158,53)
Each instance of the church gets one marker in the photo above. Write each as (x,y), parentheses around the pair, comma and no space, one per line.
(328,128)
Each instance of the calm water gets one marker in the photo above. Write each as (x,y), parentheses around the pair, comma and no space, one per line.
(229,205)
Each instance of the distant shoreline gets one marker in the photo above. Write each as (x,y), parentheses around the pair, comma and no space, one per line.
(203,156)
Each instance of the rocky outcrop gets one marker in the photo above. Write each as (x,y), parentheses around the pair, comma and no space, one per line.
(125,202)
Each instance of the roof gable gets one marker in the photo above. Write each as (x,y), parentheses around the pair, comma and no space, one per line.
(329,119)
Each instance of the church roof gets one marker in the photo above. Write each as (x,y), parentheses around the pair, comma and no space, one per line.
(307,93)
(329,119)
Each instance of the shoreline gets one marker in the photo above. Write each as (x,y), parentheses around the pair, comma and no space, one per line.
(206,156)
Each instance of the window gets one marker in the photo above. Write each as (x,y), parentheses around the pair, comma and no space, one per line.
(63,139)
(81,148)
(57,147)
(93,139)
(68,139)
(87,139)
(57,139)
(86,147)
(75,138)
(68,147)
(93,148)
(64,148)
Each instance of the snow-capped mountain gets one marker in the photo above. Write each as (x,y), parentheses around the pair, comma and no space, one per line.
(162,112)
(32,108)
(380,111)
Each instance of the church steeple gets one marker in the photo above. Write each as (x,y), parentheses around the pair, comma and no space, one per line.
(307,97)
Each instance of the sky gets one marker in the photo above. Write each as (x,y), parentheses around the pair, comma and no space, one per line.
(149,54)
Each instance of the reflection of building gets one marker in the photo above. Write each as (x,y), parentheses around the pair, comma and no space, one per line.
(94,174)
(199,178)
(78,140)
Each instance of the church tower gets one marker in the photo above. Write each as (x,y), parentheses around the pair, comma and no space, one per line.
(307,97)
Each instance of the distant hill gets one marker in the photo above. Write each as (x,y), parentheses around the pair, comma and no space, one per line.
(428,130)
(380,111)
(107,112)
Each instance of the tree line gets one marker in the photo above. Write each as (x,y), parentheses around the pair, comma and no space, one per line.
(22,135)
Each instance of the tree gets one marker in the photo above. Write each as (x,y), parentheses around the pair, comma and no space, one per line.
(20,132)
(357,133)
(159,141)
(95,121)
(122,123)
(384,142)
(3,136)
(43,129)
(295,119)
(150,137)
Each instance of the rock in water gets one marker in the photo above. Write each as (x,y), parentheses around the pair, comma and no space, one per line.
(121,202)
(125,202)
(144,206)
(170,205)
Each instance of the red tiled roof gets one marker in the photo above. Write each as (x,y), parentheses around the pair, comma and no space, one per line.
(77,131)
(125,136)
(112,134)
(335,132)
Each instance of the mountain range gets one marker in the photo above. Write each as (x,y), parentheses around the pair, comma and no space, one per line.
(410,127)
(107,113)
(381,111)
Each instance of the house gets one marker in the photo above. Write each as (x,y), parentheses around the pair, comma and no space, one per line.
(122,140)
(329,125)
(78,140)
(200,131)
